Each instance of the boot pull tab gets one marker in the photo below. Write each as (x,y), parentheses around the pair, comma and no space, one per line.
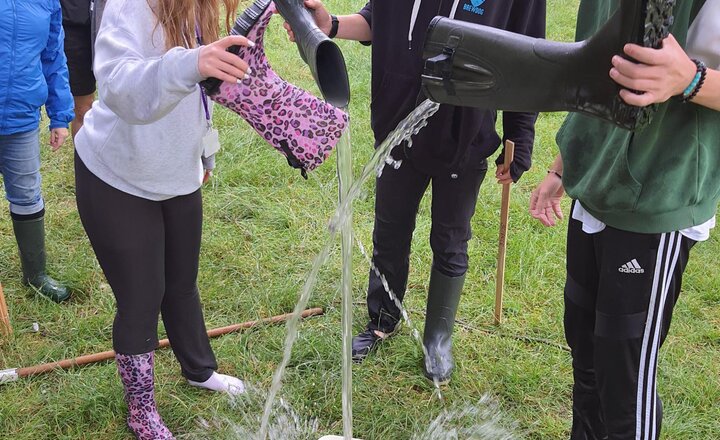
(292,160)
(441,66)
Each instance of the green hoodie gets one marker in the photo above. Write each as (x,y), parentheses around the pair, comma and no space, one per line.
(661,179)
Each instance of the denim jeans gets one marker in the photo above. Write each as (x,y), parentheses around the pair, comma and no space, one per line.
(20,168)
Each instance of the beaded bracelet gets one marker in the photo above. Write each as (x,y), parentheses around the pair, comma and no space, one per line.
(694,88)
(556,173)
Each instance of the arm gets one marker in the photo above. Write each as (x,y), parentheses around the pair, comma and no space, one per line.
(661,74)
(519,128)
(141,90)
(545,199)
(59,104)
(354,27)
(350,27)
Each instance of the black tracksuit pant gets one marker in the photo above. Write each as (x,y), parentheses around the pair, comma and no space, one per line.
(620,292)
(397,198)
(149,252)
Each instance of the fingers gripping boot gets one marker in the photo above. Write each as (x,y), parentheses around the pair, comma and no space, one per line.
(479,66)
(321,54)
(302,127)
(137,375)
(443,300)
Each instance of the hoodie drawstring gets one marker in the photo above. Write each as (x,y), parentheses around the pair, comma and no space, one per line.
(413,17)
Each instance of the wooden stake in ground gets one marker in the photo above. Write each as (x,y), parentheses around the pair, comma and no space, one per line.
(17,373)
(502,243)
(5,326)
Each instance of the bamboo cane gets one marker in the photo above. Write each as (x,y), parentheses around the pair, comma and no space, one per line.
(15,374)
(5,326)
(502,242)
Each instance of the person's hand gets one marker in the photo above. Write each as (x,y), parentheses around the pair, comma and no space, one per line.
(503,175)
(57,137)
(216,62)
(545,200)
(207,176)
(319,13)
(659,73)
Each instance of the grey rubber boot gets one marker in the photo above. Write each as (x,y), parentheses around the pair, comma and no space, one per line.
(443,300)
(30,236)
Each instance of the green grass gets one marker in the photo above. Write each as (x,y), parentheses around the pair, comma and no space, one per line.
(263,226)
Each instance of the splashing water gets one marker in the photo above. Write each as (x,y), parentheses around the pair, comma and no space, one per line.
(481,421)
(285,424)
(407,128)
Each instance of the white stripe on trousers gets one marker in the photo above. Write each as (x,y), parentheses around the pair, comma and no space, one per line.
(646,393)
(652,393)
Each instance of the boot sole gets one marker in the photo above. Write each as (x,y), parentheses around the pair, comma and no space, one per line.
(440,383)
(658,19)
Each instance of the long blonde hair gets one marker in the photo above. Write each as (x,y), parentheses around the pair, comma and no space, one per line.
(179,17)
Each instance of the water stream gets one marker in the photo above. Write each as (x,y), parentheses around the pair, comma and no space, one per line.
(409,127)
(345,178)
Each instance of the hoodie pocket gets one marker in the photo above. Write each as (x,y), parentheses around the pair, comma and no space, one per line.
(601,177)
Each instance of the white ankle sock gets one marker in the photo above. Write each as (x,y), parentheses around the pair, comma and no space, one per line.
(221,382)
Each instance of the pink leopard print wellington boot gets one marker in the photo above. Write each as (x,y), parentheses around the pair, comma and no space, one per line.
(304,128)
(137,375)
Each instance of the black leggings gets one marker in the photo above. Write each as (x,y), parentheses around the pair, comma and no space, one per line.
(149,252)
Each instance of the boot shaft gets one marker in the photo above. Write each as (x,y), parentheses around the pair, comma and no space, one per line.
(137,373)
(443,300)
(30,237)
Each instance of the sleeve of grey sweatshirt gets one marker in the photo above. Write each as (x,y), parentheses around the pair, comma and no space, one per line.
(140,90)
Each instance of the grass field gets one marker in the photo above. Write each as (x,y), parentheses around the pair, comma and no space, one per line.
(263,226)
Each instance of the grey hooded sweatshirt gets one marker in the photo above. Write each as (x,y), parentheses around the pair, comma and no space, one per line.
(144,134)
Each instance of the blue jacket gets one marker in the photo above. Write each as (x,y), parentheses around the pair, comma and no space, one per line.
(33,67)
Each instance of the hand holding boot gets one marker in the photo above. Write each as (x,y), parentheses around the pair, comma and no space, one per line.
(319,13)
(659,74)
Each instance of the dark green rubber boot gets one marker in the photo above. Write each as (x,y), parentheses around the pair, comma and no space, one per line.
(442,305)
(30,236)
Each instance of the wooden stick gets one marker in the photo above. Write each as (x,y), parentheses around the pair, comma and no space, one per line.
(5,326)
(107,355)
(502,242)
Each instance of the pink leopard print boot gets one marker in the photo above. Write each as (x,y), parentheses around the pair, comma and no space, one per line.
(302,127)
(137,375)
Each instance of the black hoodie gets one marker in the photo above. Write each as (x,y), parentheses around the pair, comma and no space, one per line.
(456,138)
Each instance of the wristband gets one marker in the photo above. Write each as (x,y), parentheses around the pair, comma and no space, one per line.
(334,26)
(556,173)
(694,88)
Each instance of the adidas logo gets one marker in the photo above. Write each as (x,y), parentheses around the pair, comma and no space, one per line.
(631,267)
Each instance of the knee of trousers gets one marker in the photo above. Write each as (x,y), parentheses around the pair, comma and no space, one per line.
(24,195)
(136,332)
(450,258)
(449,246)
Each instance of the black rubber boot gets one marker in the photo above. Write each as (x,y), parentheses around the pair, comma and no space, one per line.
(321,54)
(443,300)
(364,343)
(480,66)
(30,236)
